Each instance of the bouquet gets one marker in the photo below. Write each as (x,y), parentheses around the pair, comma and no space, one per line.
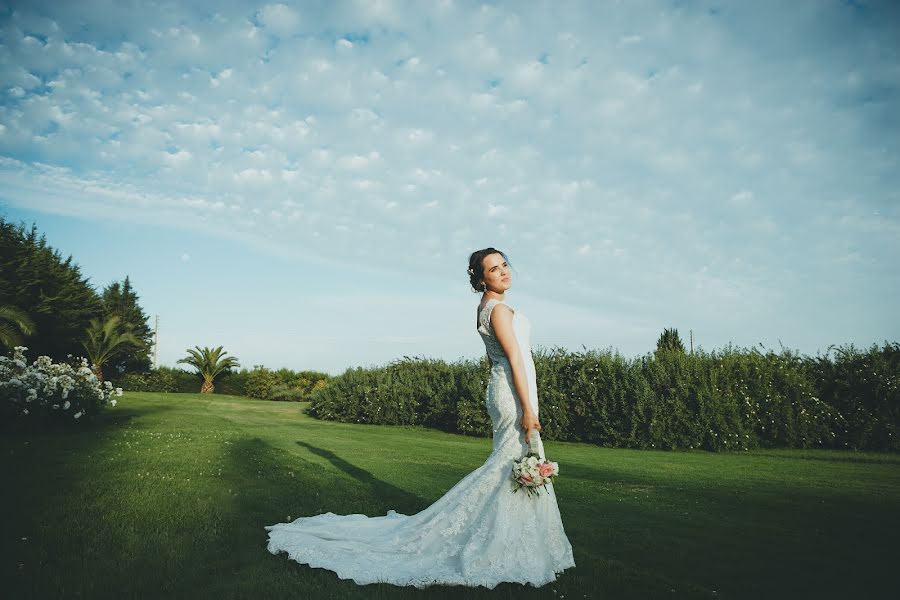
(530,473)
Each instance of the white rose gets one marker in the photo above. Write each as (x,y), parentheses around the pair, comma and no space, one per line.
(555,468)
(531,461)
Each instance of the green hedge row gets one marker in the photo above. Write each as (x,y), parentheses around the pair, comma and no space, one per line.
(258,382)
(723,400)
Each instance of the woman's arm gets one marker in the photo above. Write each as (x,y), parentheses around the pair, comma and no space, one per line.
(501,321)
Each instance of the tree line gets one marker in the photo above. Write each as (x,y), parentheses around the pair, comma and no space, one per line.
(47,305)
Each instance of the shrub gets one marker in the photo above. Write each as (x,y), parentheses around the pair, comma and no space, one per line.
(163,379)
(471,381)
(864,386)
(51,391)
(259,383)
(727,400)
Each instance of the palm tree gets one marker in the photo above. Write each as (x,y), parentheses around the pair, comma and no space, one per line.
(103,339)
(210,363)
(12,322)
(669,340)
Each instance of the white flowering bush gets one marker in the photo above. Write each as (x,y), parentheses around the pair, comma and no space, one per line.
(48,389)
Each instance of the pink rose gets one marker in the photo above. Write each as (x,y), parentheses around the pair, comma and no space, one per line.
(526,478)
(546,470)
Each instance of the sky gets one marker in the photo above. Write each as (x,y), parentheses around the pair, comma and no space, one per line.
(303,183)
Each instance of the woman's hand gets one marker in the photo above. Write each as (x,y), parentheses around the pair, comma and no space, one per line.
(529,422)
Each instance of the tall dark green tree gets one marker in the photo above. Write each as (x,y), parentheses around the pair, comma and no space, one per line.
(51,291)
(669,340)
(120,300)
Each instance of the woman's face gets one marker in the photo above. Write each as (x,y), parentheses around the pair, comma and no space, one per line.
(496,273)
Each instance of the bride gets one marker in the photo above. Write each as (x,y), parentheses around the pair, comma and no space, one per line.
(479,533)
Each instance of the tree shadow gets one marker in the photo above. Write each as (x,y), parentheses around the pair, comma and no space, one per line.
(389,494)
(345,489)
(840,456)
(107,418)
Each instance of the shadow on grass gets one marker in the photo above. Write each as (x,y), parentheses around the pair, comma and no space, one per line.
(390,495)
(843,457)
(107,418)
(330,490)
(635,536)
(48,464)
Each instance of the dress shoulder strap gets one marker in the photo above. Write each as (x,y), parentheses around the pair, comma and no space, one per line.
(485,317)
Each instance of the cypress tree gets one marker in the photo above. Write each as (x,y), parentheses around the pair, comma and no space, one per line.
(120,299)
(35,279)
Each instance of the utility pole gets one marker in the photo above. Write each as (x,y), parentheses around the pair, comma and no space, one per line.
(692,340)
(156,344)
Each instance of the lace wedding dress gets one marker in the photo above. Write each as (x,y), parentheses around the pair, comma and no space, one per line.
(479,533)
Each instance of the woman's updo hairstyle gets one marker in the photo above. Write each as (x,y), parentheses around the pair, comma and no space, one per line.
(476,267)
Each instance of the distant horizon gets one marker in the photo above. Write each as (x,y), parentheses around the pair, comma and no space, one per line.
(683,334)
(303,184)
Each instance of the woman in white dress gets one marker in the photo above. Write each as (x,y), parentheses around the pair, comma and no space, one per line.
(480,533)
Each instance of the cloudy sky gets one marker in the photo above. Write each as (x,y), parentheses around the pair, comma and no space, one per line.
(303,183)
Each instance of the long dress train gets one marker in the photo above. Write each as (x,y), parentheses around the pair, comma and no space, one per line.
(479,533)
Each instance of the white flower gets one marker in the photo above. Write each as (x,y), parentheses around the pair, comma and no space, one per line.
(555,467)
(531,461)
(56,406)
(24,411)
(112,402)
(66,405)
(77,415)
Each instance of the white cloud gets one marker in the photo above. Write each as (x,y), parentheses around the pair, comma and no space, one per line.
(494,210)
(279,18)
(693,140)
(742,198)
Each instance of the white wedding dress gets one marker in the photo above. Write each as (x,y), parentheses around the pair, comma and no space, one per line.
(479,533)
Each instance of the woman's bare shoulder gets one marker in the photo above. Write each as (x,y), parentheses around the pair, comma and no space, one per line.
(502,312)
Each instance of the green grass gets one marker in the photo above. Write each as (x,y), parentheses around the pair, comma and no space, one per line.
(168,494)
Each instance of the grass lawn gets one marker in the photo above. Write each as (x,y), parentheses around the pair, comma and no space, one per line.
(168,494)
